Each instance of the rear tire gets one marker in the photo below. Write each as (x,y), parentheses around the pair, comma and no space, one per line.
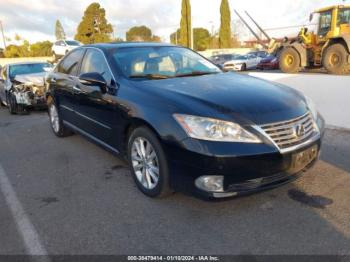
(148,164)
(289,61)
(335,60)
(56,122)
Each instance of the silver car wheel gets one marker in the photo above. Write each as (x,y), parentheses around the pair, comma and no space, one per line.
(145,163)
(55,123)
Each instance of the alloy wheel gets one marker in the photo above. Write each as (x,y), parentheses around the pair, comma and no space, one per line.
(54,118)
(145,163)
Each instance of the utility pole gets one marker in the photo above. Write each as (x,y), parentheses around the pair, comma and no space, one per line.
(3,36)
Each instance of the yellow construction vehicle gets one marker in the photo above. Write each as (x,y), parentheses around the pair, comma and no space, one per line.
(328,47)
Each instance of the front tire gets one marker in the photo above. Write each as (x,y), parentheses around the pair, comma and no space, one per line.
(335,60)
(12,105)
(148,164)
(56,122)
(289,61)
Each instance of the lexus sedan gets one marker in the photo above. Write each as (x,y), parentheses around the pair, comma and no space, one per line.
(182,123)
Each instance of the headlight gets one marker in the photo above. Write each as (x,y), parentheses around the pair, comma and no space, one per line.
(312,107)
(274,60)
(214,130)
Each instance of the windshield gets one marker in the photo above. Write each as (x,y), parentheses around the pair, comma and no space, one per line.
(73,43)
(161,62)
(24,69)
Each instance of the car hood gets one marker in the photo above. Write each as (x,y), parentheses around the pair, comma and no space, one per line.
(36,79)
(228,96)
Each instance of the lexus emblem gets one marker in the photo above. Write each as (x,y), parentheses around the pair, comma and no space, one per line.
(299,130)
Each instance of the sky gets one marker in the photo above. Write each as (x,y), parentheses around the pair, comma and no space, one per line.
(34,20)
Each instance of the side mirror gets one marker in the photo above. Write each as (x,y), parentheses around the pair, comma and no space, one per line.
(94,79)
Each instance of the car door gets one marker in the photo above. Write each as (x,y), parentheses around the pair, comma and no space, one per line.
(97,108)
(63,80)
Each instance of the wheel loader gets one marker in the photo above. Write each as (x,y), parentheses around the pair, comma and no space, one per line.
(329,47)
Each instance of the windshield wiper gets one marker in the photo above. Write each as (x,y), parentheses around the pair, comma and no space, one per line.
(195,73)
(150,76)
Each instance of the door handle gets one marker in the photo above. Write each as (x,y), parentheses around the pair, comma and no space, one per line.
(76,89)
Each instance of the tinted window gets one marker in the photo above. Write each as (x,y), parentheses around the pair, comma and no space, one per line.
(95,62)
(69,65)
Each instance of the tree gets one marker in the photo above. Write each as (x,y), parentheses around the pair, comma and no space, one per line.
(29,50)
(94,27)
(59,31)
(185,24)
(201,39)
(139,34)
(156,38)
(22,50)
(175,37)
(225,27)
(41,49)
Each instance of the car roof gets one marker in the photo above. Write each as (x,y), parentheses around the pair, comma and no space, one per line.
(107,46)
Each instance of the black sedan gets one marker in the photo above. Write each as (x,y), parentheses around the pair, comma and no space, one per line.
(182,123)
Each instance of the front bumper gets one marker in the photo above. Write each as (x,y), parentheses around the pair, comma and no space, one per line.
(233,67)
(30,99)
(246,168)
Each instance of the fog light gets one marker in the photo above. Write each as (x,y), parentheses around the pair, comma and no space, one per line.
(210,183)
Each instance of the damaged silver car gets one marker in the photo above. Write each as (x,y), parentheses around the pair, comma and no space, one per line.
(22,86)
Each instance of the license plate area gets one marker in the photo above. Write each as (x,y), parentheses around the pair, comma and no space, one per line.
(301,159)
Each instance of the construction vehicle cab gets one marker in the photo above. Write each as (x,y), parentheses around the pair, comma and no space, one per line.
(329,46)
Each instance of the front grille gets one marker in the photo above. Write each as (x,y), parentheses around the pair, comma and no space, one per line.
(291,133)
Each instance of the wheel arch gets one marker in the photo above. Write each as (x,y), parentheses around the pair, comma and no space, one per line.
(344,40)
(132,124)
